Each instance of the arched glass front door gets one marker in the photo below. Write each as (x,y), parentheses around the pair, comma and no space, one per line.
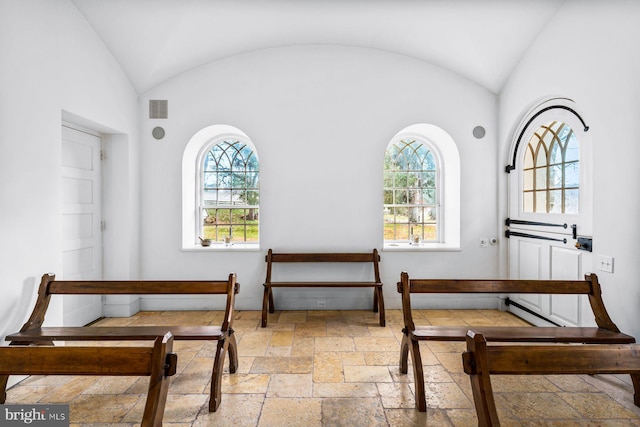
(550,209)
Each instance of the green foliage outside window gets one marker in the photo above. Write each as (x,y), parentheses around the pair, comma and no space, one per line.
(410,192)
(230,192)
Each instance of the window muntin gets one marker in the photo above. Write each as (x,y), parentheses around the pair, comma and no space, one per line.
(411,196)
(229,194)
(551,170)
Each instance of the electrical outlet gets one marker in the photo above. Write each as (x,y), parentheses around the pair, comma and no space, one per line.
(605,263)
(484,242)
(322,303)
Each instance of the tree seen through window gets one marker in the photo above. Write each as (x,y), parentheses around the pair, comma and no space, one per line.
(410,192)
(230,192)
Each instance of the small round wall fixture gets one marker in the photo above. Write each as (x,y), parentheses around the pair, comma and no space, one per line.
(158,132)
(479,132)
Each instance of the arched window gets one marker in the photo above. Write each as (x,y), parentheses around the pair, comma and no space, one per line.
(421,190)
(411,202)
(220,189)
(551,170)
(229,172)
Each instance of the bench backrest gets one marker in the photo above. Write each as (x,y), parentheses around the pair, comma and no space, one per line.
(157,362)
(50,286)
(372,257)
(589,286)
(480,360)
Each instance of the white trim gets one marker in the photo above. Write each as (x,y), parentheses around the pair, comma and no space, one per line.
(81,129)
(217,247)
(423,247)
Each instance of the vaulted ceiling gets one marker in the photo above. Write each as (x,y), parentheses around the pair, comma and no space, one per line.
(155,40)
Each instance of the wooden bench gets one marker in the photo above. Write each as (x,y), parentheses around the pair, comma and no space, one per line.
(376,284)
(33,332)
(606,331)
(481,360)
(157,362)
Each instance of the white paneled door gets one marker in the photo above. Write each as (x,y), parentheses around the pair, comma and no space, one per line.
(81,222)
(549,209)
(531,258)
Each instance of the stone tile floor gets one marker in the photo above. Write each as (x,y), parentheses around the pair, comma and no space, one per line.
(331,368)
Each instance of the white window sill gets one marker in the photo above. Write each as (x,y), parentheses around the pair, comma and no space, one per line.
(422,247)
(221,247)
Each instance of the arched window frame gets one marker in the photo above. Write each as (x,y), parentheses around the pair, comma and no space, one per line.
(448,190)
(542,112)
(545,152)
(192,185)
(401,192)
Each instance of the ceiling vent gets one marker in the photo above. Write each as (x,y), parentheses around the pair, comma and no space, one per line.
(158,109)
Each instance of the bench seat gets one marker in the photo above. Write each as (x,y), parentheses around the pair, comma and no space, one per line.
(105,333)
(583,335)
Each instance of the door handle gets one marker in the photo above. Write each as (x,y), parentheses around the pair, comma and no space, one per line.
(585,244)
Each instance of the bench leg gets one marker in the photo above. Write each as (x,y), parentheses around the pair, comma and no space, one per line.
(404,354)
(476,358)
(483,400)
(272,306)
(418,375)
(233,354)
(216,375)
(159,379)
(3,388)
(635,378)
(375,299)
(380,306)
(265,304)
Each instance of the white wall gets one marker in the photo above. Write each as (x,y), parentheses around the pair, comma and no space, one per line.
(54,65)
(589,52)
(320,118)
